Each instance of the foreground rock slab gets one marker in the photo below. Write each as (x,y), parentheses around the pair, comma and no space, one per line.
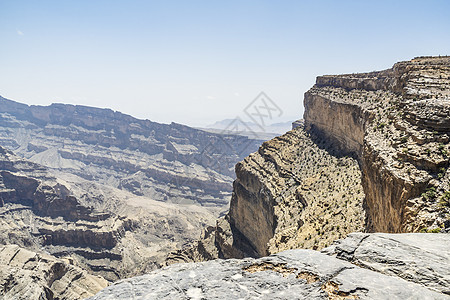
(417,257)
(292,274)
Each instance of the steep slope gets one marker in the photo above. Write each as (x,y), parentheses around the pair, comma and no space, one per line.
(170,163)
(373,155)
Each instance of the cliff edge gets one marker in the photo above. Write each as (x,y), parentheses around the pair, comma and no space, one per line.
(372,156)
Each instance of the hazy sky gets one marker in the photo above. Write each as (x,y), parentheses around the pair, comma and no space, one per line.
(196,62)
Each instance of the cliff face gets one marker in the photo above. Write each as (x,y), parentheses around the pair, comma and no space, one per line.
(399,127)
(372,156)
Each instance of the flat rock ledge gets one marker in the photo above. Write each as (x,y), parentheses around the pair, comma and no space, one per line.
(383,260)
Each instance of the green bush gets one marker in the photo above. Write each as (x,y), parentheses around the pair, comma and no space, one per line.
(430,193)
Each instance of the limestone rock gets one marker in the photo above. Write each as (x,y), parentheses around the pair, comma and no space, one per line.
(397,122)
(422,258)
(295,192)
(292,274)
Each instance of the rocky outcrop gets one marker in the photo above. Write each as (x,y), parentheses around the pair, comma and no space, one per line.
(170,163)
(372,156)
(29,275)
(307,274)
(397,123)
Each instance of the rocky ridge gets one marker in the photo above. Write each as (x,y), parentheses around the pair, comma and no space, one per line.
(372,155)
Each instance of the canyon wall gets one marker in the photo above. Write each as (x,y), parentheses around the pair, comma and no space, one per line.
(372,156)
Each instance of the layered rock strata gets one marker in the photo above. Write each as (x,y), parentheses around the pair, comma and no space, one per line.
(105,231)
(170,163)
(29,275)
(397,122)
(373,156)
(295,192)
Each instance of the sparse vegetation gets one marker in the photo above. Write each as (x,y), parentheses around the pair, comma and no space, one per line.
(430,193)
(445,199)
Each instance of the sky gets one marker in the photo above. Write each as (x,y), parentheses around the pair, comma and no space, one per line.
(197,62)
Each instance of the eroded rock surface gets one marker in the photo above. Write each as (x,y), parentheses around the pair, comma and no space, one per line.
(302,274)
(397,122)
(422,258)
(106,231)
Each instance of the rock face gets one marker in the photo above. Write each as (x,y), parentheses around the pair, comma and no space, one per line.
(307,274)
(170,163)
(397,122)
(372,155)
(293,181)
(29,275)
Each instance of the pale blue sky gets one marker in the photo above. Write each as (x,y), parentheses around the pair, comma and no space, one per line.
(196,62)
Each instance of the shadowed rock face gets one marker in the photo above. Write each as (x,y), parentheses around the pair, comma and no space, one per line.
(171,163)
(388,273)
(373,156)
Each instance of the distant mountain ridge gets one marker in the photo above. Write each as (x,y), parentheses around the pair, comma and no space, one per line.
(280,127)
(166,162)
(248,129)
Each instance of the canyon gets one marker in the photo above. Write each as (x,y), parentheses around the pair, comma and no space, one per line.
(371,155)
(352,203)
(104,194)
(164,162)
